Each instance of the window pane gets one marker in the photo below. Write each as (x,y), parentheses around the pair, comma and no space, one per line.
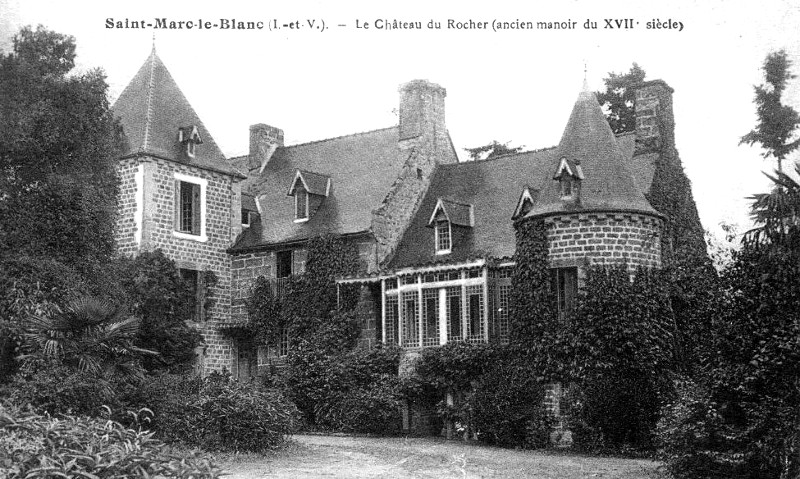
(442,236)
(187,207)
(410,319)
(430,305)
(301,200)
(391,320)
(454,314)
(475,316)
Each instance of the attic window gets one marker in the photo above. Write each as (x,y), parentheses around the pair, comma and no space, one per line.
(300,204)
(567,187)
(189,137)
(443,239)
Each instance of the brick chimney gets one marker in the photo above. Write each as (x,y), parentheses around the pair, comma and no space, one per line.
(655,121)
(422,120)
(264,140)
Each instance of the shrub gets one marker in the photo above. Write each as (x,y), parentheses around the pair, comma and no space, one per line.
(321,384)
(215,413)
(694,437)
(236,416)
(54,389)
(42,446)
(371,409)
(507,406)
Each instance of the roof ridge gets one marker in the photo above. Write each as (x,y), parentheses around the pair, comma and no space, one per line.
(339,137)
(501,157)
(150,87)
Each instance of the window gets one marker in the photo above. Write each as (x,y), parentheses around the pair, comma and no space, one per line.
(193,280)
(190,148)
(190,193)
(300,204)
(564,288)
(189,208)
(566,186)
(454,313)
(475,316)
(443,240)
(245,218)
(283,262)
(410,319)
(430,313)
(283,342)
(391,320)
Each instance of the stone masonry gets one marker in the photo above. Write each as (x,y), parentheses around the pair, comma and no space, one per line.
(222,224)
(604,238)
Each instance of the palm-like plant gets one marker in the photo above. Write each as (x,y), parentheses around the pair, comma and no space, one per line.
(777,214)
(90,335)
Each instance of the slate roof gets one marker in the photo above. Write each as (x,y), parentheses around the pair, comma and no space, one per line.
(609,183)
(152,109)
(493,188)
(314,183)
(362,168)
(456,213)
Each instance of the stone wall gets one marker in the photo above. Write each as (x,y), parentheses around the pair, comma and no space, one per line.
(604,238)
(157,219)
(126,229)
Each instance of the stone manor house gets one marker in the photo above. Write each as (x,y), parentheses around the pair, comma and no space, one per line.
(435,237)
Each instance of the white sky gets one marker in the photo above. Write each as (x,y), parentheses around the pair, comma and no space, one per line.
(510,85)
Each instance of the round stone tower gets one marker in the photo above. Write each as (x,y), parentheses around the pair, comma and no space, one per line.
(591,205)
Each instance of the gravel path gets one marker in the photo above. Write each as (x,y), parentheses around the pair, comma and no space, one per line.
(362,457)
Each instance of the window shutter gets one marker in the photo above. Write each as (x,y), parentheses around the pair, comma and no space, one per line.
(196,209)
(177,205)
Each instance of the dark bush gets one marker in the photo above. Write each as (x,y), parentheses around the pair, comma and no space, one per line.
(507,406)
(55,389)
(320,383)
(215,413)
(694,438)
(373,409)
(42,446)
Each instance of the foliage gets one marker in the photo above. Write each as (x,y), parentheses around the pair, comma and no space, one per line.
(777,123)
(618,99)
(58,143)
(321,383)
(623,352)
(312,297)
(492,150)
(214,413)
(495,392)
(507,405)
(694,436)
(88,335)
(155,292)
(747,396)
(368,408)
(29,286)
(43,446)
(53,389)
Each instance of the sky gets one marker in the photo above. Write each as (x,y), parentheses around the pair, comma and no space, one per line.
(507,85)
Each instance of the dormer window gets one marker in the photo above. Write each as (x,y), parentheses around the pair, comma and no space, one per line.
(189,137)
(309,190)
(443,239)
(525,202)
(569,174)
(300,204)
(445,215)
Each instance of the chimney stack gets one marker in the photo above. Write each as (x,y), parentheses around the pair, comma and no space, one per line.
(264,140)
(655,121)
(422,114)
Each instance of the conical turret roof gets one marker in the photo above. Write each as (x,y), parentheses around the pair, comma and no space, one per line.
(607,183)
(152,109)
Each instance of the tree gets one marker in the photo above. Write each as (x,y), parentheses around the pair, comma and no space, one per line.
(777,122)
(58,143)
(492,150)
(619,97)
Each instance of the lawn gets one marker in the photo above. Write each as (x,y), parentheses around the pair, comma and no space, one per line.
(359,457)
